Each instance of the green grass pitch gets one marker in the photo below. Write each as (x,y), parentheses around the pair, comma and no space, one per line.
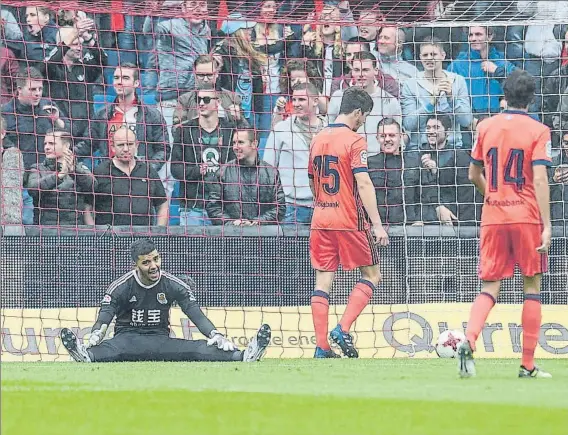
(282,397)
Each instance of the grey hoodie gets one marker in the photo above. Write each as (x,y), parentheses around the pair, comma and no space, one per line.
(178,44)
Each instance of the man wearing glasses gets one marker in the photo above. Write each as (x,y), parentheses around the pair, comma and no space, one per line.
(200,147)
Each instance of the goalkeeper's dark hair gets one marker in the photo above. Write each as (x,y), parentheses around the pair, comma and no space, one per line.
(141,247)
(355,98)
(519,89)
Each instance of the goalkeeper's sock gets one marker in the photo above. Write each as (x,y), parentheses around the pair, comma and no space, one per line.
(531,318)
(480,310)
(358,300)
(320,314)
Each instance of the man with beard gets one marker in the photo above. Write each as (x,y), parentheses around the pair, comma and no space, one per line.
(141,300)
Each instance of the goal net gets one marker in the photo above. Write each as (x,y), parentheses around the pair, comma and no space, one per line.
(229,205)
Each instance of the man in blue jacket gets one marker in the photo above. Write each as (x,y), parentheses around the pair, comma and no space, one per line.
(484,69)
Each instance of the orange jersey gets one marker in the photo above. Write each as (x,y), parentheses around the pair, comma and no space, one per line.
(336,154)
(508,146)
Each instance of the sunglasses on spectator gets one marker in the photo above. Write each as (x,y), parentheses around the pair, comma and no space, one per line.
(206,100)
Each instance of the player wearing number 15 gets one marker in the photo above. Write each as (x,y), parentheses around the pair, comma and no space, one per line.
(345,207)
(515,223)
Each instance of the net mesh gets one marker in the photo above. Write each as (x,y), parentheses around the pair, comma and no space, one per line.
(65,238)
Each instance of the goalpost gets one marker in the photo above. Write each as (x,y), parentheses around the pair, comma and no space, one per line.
(55,276)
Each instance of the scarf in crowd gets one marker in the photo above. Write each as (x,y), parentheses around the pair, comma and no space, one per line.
(309,131)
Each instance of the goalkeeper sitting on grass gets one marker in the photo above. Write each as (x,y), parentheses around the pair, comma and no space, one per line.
(141,301)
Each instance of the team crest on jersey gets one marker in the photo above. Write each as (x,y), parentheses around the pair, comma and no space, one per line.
(106,300)
(162,298)
(364,157)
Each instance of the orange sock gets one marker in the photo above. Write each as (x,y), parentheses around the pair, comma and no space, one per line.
(320,312)
(358,300)
(531,318)
(480,309)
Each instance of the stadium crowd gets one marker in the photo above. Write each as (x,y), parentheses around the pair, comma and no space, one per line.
(118,119)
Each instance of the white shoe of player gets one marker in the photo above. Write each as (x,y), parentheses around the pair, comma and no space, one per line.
(466,364)
(75,348)
(257,346)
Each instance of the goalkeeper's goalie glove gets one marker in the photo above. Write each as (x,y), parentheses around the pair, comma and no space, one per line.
(219,340)
(97,336)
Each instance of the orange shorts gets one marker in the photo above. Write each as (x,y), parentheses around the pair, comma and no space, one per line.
(504,246)
(351,249)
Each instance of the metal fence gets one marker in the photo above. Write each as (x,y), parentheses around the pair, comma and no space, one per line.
(265,266)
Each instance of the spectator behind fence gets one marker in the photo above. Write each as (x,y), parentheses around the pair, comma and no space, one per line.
(73,73)
(559,185)
(440,177)
(396,176)
(8,72)
(249,191)
(351,48)
(207,72)
(40,33)
(484,68)
(200,148)
(389,54)
(29,116)
(179,42)
(434,91)
(288,149)
(129,191)
(11,180)
(364,74)
(241,65)
(60,184)
(128,110)
(295,72)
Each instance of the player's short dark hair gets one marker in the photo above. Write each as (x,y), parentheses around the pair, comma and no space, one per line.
(133,67)
(389,121)
(519,89)
(365,55)
(355,98)
(141,247)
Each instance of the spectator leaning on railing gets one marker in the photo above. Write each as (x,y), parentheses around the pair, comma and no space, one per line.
(288,148)
(60,184)
(396,176)
(200,148)
(249,191)
(129,191)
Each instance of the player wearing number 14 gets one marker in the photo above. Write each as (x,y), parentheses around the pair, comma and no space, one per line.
(345,207)
(515,223)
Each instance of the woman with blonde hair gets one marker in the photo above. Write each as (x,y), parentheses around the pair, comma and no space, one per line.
(323,45)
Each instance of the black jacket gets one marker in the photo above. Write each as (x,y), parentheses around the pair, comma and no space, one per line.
(189,152)
(59,201)
(26,127)
(73,89)
(151,133)
(442,187)
(247,192)
(397,185)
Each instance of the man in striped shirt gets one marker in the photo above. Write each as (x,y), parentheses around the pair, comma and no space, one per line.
(141,301)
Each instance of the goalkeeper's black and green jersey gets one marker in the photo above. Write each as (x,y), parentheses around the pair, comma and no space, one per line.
(146,309)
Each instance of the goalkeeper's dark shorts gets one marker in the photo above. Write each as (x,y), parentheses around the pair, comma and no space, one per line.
(130,346)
